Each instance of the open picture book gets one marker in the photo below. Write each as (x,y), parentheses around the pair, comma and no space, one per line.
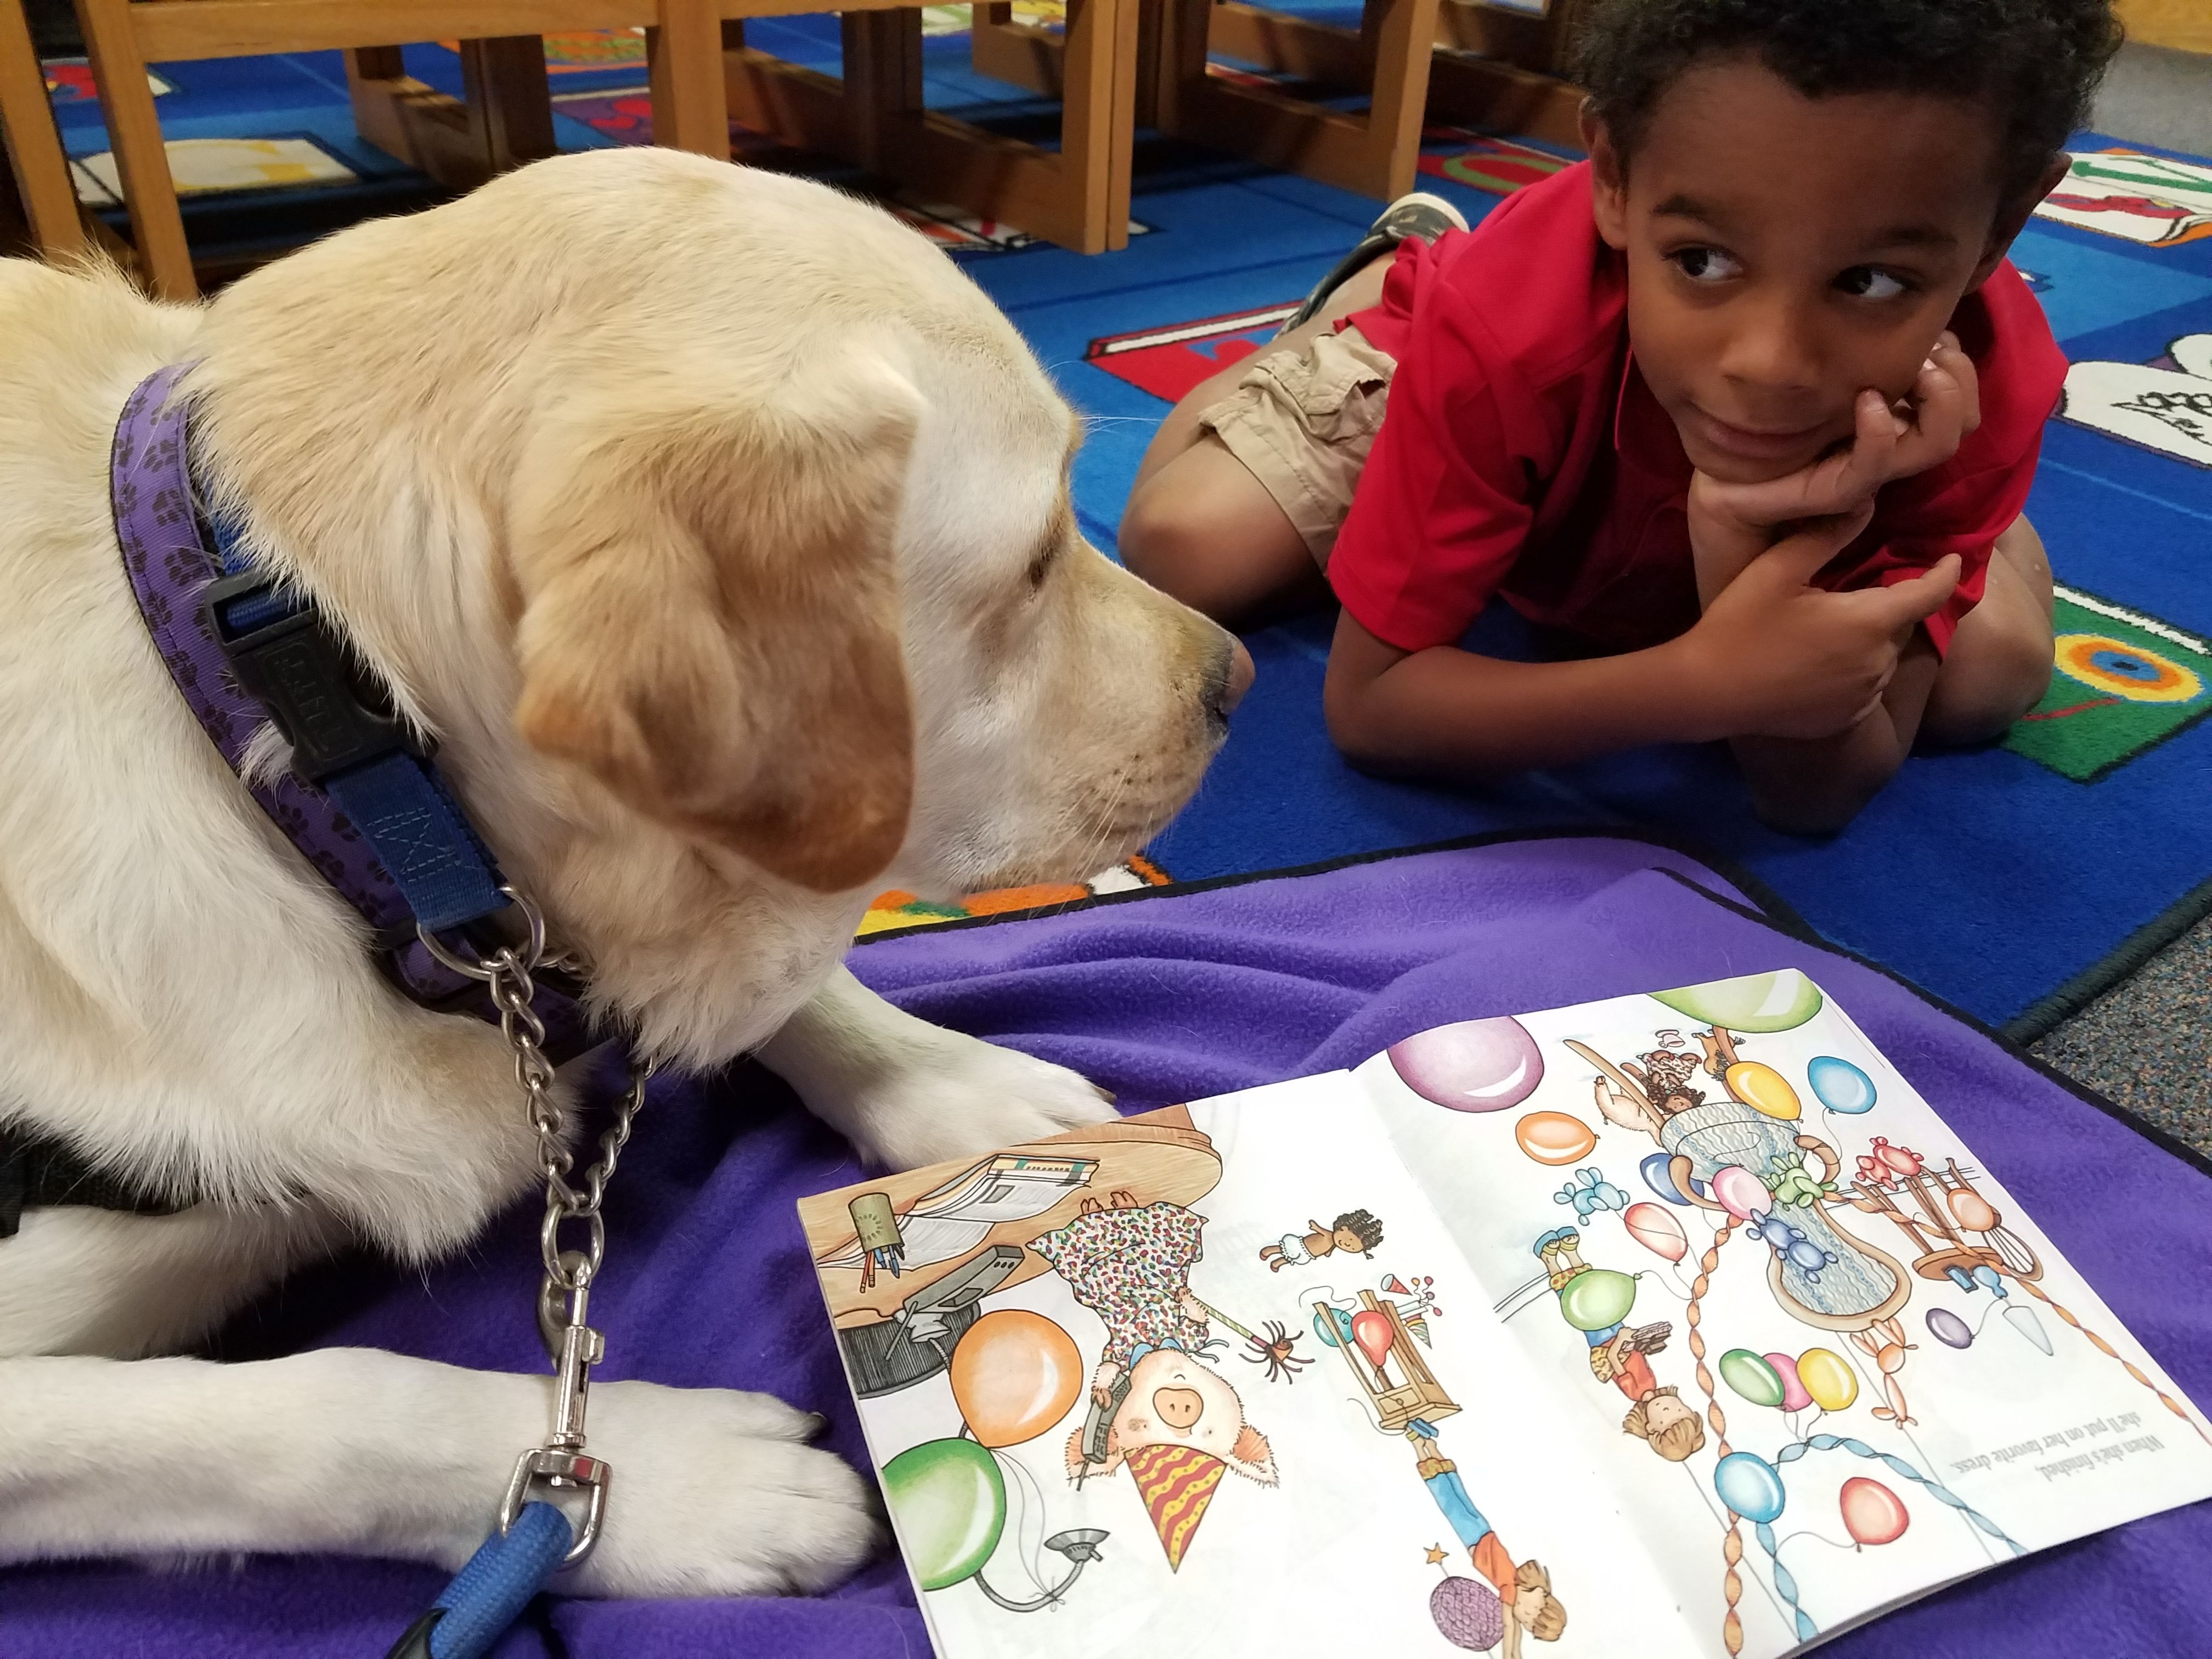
(1673,1324)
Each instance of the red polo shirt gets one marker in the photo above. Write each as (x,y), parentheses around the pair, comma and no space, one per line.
(1521,452)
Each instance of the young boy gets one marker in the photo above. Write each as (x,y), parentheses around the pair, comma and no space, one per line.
(1741,412)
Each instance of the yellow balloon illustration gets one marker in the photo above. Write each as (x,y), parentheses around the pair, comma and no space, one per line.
(1832,1384)
(1762,1089)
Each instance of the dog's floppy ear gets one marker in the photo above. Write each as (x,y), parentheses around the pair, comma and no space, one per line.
(710,609)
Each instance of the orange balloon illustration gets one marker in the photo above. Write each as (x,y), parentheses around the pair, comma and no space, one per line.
(1553,1137)
(1014,1375)
(1972,1211)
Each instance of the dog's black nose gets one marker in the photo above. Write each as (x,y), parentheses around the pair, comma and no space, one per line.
(1231,679)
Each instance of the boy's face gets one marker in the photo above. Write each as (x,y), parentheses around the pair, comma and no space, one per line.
(1784,254)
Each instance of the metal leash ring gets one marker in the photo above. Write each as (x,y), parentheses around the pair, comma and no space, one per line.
(486,971)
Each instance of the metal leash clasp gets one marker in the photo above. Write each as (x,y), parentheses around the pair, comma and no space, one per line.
(561,1465)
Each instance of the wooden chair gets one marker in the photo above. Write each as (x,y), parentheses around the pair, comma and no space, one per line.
(40,200)
(1078,196)
(506,120)
(1418,61)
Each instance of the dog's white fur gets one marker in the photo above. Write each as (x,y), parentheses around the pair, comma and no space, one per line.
(717,530)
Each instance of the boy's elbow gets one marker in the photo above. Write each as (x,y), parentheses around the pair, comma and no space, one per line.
(1354,726)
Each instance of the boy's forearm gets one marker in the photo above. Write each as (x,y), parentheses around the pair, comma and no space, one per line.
(1816,787)
(1446,710)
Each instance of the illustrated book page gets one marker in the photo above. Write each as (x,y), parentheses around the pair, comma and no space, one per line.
(1674,1320)
(1815,1350)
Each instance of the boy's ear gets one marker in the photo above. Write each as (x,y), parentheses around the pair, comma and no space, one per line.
(1608,179)
(2013,216)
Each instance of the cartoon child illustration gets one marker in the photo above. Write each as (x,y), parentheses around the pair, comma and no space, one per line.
(1157,1405)
(1618,1355)
(1525,1589)
(1355,1229)
(1671,1428)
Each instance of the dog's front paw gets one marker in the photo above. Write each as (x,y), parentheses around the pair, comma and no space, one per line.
(958,1095)
(716,1493)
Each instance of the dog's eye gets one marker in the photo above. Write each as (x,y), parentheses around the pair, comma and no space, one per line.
(1041,564)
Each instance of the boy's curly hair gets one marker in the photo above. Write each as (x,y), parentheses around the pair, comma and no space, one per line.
(2035,63)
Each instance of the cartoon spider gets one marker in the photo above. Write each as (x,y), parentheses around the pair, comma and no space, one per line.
(1277,1352)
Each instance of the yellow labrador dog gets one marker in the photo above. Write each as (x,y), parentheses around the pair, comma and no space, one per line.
(718,531)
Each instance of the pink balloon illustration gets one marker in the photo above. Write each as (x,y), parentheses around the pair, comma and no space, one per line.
(1873,1514)
(1793,1397)
(1740,1192)
(1656,1229)
(1472,1066)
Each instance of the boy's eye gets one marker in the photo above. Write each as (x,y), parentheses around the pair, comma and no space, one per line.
(1870,282)
(1705,265)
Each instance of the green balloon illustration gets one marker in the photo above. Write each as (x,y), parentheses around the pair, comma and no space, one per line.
(1750,1375)
(949,1501)
(1597,1298)
(1779,1001)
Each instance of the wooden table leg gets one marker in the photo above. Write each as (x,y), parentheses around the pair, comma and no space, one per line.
(41,172)
(883,82)
(1091,139)
(141,161)
(690,105)
(509,99)
(1403,33)
(504,119)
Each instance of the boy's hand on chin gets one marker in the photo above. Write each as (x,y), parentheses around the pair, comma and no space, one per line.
(1778,657)
(1923,430)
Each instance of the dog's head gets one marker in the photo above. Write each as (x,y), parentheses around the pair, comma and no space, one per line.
(768,511)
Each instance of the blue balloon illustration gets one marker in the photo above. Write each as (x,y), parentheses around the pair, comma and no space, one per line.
(1749,1485)
(1334,1332)
(1839,1086)
(1656,1178)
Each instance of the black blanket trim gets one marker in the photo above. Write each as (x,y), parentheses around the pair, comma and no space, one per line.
(1768,908)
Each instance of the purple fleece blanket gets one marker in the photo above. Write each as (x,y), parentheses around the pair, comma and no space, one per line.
(1165,999)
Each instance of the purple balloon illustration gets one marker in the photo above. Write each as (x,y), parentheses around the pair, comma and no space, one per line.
(1474,1066)
(1946,1326)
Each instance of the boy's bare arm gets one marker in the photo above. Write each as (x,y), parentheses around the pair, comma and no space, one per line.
(1816,787)
(1773,657)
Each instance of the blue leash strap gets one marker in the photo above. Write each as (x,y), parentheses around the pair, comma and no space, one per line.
(488,1594)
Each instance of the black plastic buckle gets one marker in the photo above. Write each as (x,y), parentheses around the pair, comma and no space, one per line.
(308,681)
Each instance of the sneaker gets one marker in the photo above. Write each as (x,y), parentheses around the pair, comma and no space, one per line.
(1416,217)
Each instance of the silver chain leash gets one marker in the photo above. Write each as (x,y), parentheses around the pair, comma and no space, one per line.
(561,1465)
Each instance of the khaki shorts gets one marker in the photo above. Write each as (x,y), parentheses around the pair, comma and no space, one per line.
(1302,420)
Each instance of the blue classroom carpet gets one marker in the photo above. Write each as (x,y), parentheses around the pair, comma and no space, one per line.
(2015,881)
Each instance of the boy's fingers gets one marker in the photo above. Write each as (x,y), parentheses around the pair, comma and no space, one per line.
(1939,411)
(1796,559)
(1920,597)
(1952,359)
(1867,465)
